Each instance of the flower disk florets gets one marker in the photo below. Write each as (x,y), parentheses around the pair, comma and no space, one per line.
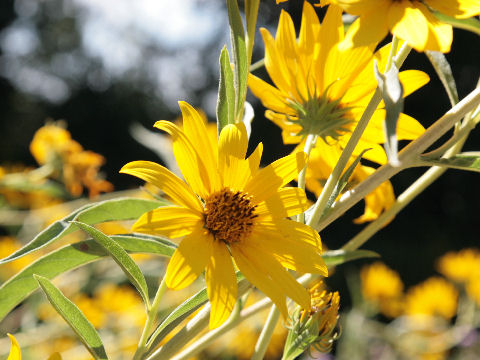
(321,116)
(229,215)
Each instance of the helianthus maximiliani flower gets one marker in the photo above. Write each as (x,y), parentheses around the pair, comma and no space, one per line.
(322,88)
(228,208)
(409,20)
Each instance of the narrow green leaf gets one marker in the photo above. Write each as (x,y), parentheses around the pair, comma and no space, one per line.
(183,311)
(126,263)
(471,24)
(337,257)
(74,317)
(444,72)
(70,257)
(469,161)
(239,57)
(392,93)
(109,210)
(226,92)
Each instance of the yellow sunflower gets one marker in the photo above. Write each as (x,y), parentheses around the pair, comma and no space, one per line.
(229,208)
(409,20)
(322,88)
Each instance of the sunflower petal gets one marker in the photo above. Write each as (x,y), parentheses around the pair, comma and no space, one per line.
(284,203)
(291,253)
(15,353)
(408,22)
(279,173)
(221,284)
(169,221)
(165,180)
(189,260)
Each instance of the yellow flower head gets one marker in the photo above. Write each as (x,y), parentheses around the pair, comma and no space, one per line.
(409,20)
(460,266)
(434,297)
(229,208)
(383,287)
(322,88)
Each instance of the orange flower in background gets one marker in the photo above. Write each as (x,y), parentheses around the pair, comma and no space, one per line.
(410,20)
(228,208)
(77,168)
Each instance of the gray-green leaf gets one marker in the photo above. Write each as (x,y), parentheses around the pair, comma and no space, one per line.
(226,92)
(109,210)
(444,72)
(470,24)
(337,257)
(74,317)
(469,161)
(69,257)
(126,263)
(392,93)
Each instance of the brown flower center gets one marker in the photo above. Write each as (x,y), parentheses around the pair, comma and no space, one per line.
(229,215)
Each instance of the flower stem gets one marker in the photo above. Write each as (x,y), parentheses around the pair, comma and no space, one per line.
(347,152)
(309,144)
(266,334)
(151,317)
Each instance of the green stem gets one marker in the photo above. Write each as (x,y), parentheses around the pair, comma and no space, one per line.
(309,145)
(251,12)
(257,65)
(347,152)
(213,335)
(266,334)
(151,317)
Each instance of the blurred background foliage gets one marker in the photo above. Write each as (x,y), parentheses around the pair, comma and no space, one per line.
(111,68)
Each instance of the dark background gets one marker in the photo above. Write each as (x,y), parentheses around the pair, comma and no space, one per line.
(100,104)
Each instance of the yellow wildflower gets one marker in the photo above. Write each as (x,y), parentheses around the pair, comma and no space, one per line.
(53,144)
(473,289)
(434,297)
(322,89)
(409,20)
(383,287)
(15,353)
(227,206)
(460,266)
(8,245)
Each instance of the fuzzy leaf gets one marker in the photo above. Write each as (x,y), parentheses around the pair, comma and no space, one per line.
(469,161)
(74,317)
(126,263)
(392,94)
(444,72)
(108,210)
(337,257)
(70,257)
(226,92)
(471,24)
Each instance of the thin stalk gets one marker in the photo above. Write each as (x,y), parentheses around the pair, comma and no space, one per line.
(151,317)
(251,12)
(266,334)
(309,144)
(257,65)
(407,155)
(213,335)
(347,152)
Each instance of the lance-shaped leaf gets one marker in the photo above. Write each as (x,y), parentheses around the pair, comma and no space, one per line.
(239,56)
(226,93)
(126,263)
(469,161)
(74,317)
(109,210)
(392,93)
(338,257)
(444,72)
(70,257)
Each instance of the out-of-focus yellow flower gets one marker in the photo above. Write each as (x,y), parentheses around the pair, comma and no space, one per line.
(52,144)
(460,266)
(409,20)
(434,297)
(8,245)
(322,89)
(243,214)
(15,353)
(94,313)
(473,289)
(383,287)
